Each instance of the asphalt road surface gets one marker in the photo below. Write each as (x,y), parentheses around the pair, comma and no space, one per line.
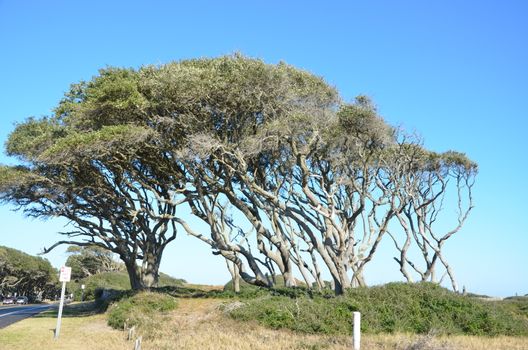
(12,314)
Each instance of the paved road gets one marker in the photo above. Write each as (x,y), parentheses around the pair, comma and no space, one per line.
(12,314)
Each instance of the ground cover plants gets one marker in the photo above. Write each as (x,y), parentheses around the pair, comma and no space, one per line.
(395,307)
(143,310)
(421,308)
(203,317)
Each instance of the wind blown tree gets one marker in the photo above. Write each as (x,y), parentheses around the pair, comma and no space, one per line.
(426,179)
(221,105)
(92,173)
(256,151)
(288,179)
(88,261)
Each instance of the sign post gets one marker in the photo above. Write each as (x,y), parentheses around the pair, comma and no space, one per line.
(82,292)
(65,274)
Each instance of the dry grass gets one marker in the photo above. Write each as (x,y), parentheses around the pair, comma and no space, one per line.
(90,332)
(199,324)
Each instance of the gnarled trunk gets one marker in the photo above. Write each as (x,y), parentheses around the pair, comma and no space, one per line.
(146,275)
(133,274)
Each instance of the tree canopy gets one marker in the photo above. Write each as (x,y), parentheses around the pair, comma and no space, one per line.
(88,261)
(27,275)
(289,179)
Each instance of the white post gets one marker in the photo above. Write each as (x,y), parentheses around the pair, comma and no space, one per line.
(137,345)
(357,330)
(57,329)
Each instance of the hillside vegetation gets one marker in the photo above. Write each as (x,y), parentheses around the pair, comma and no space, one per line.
(421,308)
(145,310)
(395,307)
(117,280)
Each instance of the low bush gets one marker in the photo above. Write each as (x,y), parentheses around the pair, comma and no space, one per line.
(309,315)
(144,310)
(395,307)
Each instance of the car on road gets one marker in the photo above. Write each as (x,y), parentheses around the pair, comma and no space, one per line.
(22,300)
(9,300)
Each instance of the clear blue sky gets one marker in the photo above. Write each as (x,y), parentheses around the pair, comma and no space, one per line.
(455,71)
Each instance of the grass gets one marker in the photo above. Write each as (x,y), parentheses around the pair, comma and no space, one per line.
(278,281)
(145,310)
(81,329)
(300,319)
(203,323)
(114,281)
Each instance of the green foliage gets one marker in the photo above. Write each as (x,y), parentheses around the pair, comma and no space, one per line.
(26,274)
(117,281)
(105,280)
(12,178)
(34,136)
(96,143)
(518,304)
(143,310)
(111,98)
(310,315)
(91,260)
(395,307)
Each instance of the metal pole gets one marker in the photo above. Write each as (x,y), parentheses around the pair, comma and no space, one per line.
(357,330)
(57,329)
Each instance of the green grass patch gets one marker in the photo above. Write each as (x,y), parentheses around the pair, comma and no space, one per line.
(73,310)
(278,282)
(113,281)
(144,310)
(395,307)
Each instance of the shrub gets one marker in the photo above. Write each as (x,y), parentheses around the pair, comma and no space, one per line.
(395,307)
(144,310)
(310,315)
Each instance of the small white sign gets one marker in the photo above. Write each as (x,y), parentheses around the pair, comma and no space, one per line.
(65,274)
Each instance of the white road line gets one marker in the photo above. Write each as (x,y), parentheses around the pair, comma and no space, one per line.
(23,310)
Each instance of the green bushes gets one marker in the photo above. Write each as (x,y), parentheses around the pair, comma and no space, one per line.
(423,307)
(118,280)
(143,310)
(309,315)
(395,307)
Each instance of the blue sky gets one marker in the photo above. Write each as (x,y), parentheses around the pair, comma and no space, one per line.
(455,72)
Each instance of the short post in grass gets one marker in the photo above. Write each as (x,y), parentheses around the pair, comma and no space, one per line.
(137,345)
(82,292)
(65,274)
(357,330)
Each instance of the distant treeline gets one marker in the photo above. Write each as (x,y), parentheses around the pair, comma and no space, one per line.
(28,275)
